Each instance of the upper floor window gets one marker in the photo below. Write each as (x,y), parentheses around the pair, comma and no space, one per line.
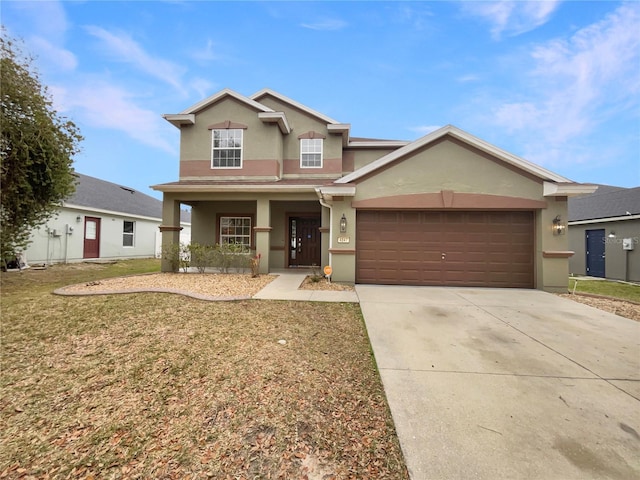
(311,152)
(128,232)
(226,148)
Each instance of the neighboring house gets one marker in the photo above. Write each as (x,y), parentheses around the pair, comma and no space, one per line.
(604,231)
(101,220)
(292,184)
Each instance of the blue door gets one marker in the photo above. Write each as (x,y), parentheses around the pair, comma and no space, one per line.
(595,252)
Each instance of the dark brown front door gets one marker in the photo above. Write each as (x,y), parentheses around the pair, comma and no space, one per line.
(91,237)
(304,241)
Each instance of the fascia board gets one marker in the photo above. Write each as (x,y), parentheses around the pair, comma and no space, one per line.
(335,190)
(178,119)
(235,188)
(551,189)
(222,93)
(110,212)
(278,117)
(465,137)
(341,129)
(293,103)
(604,220)
(380,144)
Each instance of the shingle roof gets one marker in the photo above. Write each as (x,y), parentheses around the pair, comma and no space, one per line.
(606,202)
(92,192)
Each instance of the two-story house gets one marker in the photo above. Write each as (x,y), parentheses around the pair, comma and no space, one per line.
(292,185)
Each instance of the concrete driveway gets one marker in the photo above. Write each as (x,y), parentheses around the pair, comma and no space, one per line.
(491,383)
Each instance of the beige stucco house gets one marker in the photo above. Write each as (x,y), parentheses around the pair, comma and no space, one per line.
(292,184)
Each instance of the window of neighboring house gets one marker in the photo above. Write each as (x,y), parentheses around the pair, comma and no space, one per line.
(128,232)
(226,148)
(311,153)
(235,231)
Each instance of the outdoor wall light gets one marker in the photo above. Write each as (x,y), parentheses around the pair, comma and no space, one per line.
(612,234)
(558,227)
(343,224)
(78,219)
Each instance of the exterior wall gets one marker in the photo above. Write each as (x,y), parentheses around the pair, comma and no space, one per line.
(261,151)
(353,159)
(449,165)
(300,123)
(67,244)
(619,264)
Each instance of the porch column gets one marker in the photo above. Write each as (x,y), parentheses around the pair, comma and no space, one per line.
(262,230)
(170,228)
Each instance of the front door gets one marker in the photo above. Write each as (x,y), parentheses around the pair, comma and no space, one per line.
(594,240)
(304,241)
(91,237)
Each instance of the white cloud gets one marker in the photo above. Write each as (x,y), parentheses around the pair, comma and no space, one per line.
(55,56)
(326,24)
(125,49)
(103,105)
(512,17)
(468,78)
(576,84)
(207,54)
(203,87)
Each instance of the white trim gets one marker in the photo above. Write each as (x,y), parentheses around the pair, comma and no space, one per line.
(604,220)
(569,190)
(133,234)
(304,108)
(313,142)
(276,117)
(213,167)
(92,210)
(337,191)
(378,143)
(223,93)
(241,188)
(178,119)
(455,132)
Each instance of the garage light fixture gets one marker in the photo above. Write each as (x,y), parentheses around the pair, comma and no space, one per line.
(558,227)
(612,234)
(343,224)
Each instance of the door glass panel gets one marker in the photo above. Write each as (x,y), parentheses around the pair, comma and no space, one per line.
(90,230)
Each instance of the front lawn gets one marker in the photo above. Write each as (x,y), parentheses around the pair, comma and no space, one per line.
(164,386)
(623,291)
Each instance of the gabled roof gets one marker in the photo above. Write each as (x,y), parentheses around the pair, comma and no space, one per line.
(268,92)
(606,202)
(93,193)
(467,138)
(188,116)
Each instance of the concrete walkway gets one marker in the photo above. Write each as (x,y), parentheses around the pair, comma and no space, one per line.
(506,384)
(285,287)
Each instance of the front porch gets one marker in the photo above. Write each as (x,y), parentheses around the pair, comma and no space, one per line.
(287,231)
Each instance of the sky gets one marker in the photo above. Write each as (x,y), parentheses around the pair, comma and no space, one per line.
(554,82)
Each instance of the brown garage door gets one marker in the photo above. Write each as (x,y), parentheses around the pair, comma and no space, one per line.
(489,249)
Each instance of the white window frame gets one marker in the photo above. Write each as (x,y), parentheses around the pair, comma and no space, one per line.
(224,132)
(311,146)
(131,234)
(225,237)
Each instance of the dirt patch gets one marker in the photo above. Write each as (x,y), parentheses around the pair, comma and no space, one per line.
(313,283)
(618,307)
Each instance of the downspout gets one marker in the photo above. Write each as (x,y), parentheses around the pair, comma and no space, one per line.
(326,205)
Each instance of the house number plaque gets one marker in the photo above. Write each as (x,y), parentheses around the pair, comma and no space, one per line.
(343,239)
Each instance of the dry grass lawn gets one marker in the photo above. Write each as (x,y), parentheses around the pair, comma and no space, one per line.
(164,386)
